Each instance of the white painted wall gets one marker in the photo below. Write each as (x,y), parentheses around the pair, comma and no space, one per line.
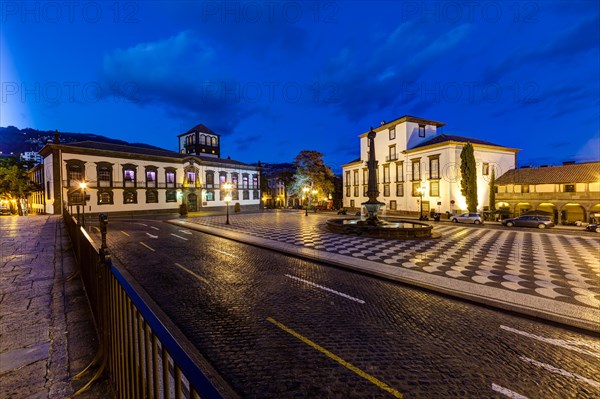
(449,168)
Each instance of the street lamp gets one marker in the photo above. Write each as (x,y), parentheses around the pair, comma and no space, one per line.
(420,190)
(83,186)
(227,199)
(306,190)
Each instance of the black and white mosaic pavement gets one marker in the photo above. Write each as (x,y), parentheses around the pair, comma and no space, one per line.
(557,266)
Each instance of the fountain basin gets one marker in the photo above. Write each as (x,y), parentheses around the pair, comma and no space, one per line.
(390,228)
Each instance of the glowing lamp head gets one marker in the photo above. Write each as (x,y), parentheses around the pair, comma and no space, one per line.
(227,198)
(83,185)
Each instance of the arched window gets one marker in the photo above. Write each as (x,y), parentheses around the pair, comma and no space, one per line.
(76,198)
(210,178)
(129,197)
(170,177)
(105,197)
(151,175)
(171,196)
(202,139)
(129,175)
(75,172)
(151,196)
(104,172)
(213,141)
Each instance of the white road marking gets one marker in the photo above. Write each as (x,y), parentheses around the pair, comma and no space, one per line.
(556,370)
(155,228)
(142,224)
(192,273)
(326,289)
(225,253)
(552,341)
(125,233)
(150,248)
(175,235)
(185,232)
(507,392)
(151,236)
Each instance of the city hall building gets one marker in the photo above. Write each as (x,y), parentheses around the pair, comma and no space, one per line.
(122,178)
(419,168)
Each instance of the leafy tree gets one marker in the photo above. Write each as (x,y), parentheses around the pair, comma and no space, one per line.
(14,182)
(468,179)
(312,172)
(493,191)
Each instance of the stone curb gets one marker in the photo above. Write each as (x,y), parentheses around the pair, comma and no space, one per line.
(547,309)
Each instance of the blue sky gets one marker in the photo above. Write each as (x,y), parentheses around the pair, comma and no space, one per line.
(275,78)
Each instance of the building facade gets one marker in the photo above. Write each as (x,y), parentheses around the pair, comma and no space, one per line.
(419,168)
(129,179)
(569,193)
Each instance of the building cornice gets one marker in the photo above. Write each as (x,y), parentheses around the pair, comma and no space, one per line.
(452,143)
(402,119)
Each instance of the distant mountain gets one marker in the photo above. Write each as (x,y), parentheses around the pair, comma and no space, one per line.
(13,139)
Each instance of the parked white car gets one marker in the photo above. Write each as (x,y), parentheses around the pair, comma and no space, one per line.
(474,218)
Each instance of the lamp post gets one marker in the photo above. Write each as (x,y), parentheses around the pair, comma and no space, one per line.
(227,199)
(83,186)
(420,190)
(306,190)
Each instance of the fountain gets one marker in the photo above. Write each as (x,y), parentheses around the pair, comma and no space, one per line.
(373,226)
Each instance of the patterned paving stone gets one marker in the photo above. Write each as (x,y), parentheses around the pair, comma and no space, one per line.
(544,264)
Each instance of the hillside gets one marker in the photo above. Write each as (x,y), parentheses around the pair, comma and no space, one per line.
(13,139)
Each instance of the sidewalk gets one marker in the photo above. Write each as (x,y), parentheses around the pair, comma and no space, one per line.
(46,329)
(549,276)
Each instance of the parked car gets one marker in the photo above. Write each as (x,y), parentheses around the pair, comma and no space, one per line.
(4,208)
(474,218)
(541,222)
(595,227)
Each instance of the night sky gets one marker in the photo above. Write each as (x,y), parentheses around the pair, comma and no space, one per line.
(274,78)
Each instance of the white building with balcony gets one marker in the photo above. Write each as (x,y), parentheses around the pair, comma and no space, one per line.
(120,178)
(419,168)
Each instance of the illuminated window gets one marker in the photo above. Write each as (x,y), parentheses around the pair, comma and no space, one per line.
(434,189)
(170,178)
(105,197)
(129,197)
(210,195)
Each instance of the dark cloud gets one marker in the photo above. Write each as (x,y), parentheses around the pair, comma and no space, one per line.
(557,47)
(382,80)
(184,75)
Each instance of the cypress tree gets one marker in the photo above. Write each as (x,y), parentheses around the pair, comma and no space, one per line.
(493,191)
(468,179)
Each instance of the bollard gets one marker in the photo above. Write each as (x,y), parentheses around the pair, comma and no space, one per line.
(104,254)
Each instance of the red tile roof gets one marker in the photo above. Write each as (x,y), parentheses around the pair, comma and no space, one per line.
(576,173)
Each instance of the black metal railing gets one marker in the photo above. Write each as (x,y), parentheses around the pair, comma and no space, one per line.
(142,352)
